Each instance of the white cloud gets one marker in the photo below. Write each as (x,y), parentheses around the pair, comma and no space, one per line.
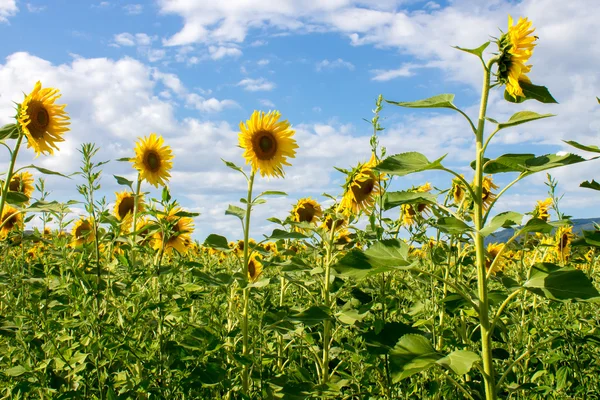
(262,62)
(219,52)
(208,105)
(133,9)
(256,85)
(335,64)
(259,43)
(128,39)
(404,71)
(32,8)
(8,8)
(266,103)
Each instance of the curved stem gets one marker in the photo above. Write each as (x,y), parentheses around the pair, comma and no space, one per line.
(9,172)
(135,213)
(503,306)
(487,213)
(462,179)
(246,369)
(468,120)
(490,138)
(327,324)
(452,285)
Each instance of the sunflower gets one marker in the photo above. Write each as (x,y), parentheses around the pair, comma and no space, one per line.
(42,121)
(564,237)
(343,237)
(255,267)
(328,223)
(458,190)
(267,143)
(83,232)
(180,234)
(516,47)
(11,219)
(487,197)
(239,246)
(307,210)
(410,211)
(361,188)
(153,160)
(47,231)
(271,247)
(22,183)
(542,209)
(125,204)
(493,249)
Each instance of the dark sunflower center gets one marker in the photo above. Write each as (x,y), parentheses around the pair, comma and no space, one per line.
(15,185)
(484,194)
(126,207)
(83,230)
(363,189)
(11,222)
(564,241)
(152,161)
(39,119)
(264,145)
(251,269)
(306,213)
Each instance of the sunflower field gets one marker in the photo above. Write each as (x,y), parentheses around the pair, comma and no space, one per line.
(381,294)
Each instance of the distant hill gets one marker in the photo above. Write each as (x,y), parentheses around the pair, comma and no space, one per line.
(582,224)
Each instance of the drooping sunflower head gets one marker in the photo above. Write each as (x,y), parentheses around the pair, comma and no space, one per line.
(458,191)
(564,237)
(332,221)
(22,183)
(153,160)
(542,209)
(267,143)
(124,205)
(361,189)
(487,196)
(47,231)
(179,235)
(307,210)
(42,121)
(343,237)
(83,232)
(516,47)
(255,267)
(239,246)
(410,212)
(493,249)
(11,220)
(271,247)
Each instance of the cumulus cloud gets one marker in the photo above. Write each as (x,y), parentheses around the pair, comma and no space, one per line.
(334,64)
(133,9)
(256,85)
(8,8)
(219,52)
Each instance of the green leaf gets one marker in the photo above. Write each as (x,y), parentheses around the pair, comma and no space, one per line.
(349,317)
(590,185)
(521,117)
(16,198)
(10,131)
(311,316)
(15,371)
(187,214)
(382,341)
(560,283)
(536,225)
(272,193)
(395,199)
(592,148)
(124,159)
(478,51)
(412,354)
(382,256)
(459,361)
(53,206)
(123,181)
(45,171)
(531,92)
(232,166)
(502,220)
(439,101)
(408,163)
(236,211)
(216,242)
(452,225)
(528,163)
(281,234)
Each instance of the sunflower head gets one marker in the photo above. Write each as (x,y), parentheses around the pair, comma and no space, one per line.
(179,235)
(239,246)
(329,223)
(492,250)
(307,210)
(361,189)
(410,212)
(542,209)
(271,247)
(564,237)
(255,267)
(487,196)
(42,121)
(267,143)
(11,220)
(343,237)
(516,47)
(83,232)
(22,183)
(458,190)
(124,205)
(153,160)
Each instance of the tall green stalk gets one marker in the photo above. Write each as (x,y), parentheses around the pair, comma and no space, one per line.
(246,367)
(9,172)
(484,320)
(327,301)
(135,213)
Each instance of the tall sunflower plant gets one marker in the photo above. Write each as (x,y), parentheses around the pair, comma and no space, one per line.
(469,218)
(42,123)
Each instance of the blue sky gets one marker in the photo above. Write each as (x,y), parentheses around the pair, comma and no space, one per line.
(192,71)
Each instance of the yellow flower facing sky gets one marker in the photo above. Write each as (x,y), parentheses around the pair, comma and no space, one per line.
(42,121)
(267,143)
(153,160)
(361,189)
(180,234)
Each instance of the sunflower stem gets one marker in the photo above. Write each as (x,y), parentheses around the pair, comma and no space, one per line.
(484,321)
(246,367)
(135,212)
(327,301)
(9,172)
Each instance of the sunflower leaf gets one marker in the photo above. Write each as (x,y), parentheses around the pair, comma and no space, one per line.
(590,185)
(502,220)
(531,92)
(395,199)
(593,149)
(439,101)
(452,225)
(232,166)
(45,171)
(311,316)
(478,51)
(529,163)
(560,283)
(412,354)
(272,193)
(236,211)
(16,198)
(281,234)
(408,163)
(124,159)
(124,181)
(521,117)
(186,214)
(216,242)
(10,131)
(459,361)
(382,256)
